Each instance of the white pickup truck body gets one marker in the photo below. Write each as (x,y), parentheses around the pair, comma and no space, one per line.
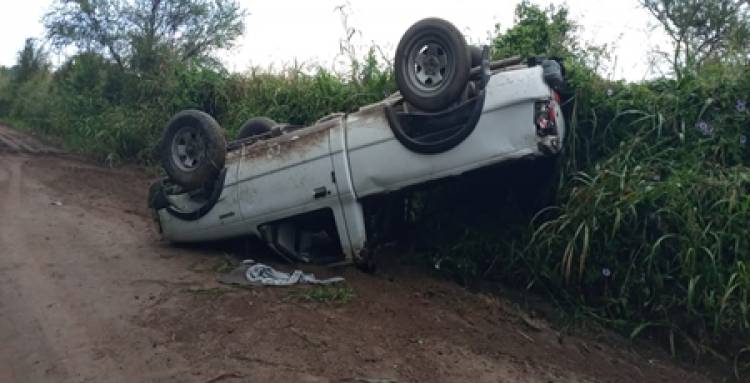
(337,162)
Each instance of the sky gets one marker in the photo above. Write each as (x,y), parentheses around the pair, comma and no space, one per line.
(282,32)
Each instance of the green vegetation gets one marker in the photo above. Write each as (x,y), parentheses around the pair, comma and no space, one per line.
(655,233)
(143,35)
(112,99)
(650,230)
(97,109)
(649,233)
(703,31)
(323,294)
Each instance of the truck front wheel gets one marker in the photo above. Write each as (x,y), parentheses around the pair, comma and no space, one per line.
(193,149)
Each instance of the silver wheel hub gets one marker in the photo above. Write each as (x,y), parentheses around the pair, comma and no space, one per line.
(188,148)
(430,64)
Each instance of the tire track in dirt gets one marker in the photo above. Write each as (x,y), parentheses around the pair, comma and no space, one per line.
(60,335)
(66,293)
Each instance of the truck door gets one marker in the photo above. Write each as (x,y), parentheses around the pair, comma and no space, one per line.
(286,176)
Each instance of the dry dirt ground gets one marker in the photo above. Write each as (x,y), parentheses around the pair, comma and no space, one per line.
(89,293)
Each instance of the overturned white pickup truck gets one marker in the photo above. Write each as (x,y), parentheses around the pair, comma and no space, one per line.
(297,186)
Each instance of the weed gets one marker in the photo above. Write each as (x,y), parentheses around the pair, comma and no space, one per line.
(323,294)
(225,264)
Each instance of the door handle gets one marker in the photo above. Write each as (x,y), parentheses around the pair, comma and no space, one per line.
(321,192)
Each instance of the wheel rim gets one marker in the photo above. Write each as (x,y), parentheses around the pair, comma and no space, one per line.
(188,148)
(430,65)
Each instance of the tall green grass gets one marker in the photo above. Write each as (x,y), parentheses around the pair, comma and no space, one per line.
(97,109)
(651,230)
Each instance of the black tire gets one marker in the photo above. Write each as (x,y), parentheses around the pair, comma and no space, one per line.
(365,261)
(475,53)
(256,126)
(193,149)
(432,64)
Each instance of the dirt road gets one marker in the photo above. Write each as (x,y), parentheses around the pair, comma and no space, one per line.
(88,293)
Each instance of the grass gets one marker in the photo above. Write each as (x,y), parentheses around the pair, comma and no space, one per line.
(650,230)
(323,294)
(225,264)
(97,109)
(218,265)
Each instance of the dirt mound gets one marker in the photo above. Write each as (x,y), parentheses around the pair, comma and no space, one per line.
(15,142)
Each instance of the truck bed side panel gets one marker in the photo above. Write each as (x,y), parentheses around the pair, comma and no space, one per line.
(380,163)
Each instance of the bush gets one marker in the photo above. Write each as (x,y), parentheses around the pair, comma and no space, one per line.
(650,230)
(99,109)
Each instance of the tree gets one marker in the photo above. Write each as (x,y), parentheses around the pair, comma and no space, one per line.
(536,32)
(140,34)
(703,30)
(32,60)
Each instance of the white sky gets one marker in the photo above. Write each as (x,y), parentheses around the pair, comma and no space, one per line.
(282,31)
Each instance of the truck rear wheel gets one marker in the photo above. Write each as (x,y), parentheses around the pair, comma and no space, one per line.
(193,149)
(256,126)
(475,53)
(432,64)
